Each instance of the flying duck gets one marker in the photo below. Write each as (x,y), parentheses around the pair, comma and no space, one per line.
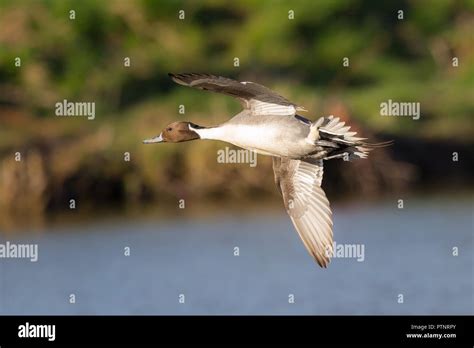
(269,125)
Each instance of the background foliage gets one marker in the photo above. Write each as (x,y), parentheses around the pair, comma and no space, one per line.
(83,60)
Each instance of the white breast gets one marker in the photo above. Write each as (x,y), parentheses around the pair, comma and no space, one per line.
(260,138)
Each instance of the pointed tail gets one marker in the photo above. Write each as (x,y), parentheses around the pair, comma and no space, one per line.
(340,142)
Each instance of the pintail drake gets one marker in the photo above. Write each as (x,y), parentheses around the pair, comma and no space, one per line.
(269,125)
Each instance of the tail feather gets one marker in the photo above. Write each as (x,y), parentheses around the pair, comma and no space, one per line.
(339,142)
(379,145)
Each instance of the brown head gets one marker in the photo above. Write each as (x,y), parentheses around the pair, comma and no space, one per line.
(175,132)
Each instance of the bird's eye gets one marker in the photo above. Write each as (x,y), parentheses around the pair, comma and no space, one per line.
(169,129)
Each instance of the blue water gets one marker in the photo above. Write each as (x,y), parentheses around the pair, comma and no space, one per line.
(407,252)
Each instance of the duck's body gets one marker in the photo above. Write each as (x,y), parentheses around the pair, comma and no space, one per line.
(270,126)
(272,135)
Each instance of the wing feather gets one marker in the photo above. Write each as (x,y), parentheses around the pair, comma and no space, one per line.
(299,182)
(257,99)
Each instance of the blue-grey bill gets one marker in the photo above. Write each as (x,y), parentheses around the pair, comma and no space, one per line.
(157,139)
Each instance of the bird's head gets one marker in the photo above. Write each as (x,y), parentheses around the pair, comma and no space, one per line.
(176,132)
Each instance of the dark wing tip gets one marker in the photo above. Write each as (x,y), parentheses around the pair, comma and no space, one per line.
(175,77)
(187,78)
(182,79)
(323,262)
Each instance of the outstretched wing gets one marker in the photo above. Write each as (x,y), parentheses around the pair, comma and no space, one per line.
(258,99)
(299,182)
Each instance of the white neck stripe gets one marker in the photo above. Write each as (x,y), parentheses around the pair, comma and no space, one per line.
(213,133)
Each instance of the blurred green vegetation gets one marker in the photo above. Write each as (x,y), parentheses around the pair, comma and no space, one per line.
(82,59)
